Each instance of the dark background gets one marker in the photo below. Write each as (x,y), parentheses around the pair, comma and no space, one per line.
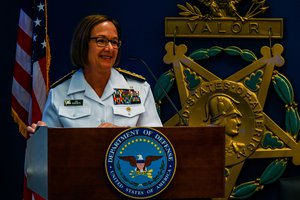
(142,24)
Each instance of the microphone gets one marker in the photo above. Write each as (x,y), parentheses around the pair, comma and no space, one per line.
(157,82)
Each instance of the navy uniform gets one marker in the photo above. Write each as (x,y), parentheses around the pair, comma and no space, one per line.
(124,102)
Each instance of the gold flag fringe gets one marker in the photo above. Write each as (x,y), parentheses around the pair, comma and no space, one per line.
(48,53)
(22,126)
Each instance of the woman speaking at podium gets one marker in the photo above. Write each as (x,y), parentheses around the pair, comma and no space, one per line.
(98,94)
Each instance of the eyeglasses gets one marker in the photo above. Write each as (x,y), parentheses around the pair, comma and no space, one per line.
(103,42)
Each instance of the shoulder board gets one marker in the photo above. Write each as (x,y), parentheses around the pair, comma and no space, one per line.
(63,79)
(131,74)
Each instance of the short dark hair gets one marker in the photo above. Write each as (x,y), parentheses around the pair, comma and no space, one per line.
(81,37)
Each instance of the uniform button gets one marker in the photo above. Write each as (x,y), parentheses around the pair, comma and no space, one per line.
(128,109)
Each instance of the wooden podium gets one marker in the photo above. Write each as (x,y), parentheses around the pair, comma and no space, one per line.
(69,163)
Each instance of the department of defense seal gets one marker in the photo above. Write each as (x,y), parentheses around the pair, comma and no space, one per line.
(140,162)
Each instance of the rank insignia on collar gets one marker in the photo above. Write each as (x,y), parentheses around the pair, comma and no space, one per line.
(73,102)
(126,96)
(132,75)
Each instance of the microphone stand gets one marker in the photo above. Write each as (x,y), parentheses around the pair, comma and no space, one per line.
(164,91)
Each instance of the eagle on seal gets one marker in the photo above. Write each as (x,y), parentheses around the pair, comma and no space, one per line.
(140,164)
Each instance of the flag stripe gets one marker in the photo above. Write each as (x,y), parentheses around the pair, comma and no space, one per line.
(44,69)
(21,95)
(22,78)
(39,86)
(24,41)
(23,59)
(25,23)
(36,111)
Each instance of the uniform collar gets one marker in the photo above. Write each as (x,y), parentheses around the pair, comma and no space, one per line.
(115,81)
(79,84)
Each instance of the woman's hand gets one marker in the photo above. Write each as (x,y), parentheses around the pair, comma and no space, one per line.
(106,124)
(31,129)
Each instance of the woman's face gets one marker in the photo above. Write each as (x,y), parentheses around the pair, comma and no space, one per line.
(103,57)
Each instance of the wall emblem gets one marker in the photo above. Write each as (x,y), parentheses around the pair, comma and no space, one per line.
(222,19)
(237,101)
(140,162)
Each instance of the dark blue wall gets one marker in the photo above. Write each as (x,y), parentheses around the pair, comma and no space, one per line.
(142,24)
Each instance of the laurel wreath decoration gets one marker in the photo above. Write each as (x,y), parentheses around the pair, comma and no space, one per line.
(285,91)
(270,174)
(162,87)
(161,169)
(202,54)
(190,11)
(194,13)
(164,82)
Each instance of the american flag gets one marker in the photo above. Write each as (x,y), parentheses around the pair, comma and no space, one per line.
(30,80)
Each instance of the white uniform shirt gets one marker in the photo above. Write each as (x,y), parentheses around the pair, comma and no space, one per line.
(92,110)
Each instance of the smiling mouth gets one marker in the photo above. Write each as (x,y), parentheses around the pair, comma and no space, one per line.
(106,57)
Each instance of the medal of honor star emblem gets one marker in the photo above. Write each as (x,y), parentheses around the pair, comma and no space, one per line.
(140,162)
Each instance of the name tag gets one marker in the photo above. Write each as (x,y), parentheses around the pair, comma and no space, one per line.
(73,102)
(126,96)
